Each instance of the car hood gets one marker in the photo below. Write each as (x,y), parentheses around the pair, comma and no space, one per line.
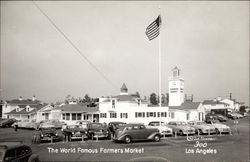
(217,125)
(165,128)
(203,126)
(185,127)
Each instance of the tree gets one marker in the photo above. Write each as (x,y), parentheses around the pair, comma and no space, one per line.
(243,109)
(67,99)
(153,99)
(137,94)
(87,99)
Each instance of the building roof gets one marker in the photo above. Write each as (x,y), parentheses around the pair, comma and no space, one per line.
(77,108)
(125,98)
(187,105)
(211,102)
(23,102)
(124,88)
(23,111)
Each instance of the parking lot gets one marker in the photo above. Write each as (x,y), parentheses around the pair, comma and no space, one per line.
(219,148)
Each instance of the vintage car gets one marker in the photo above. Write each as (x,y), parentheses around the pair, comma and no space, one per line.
(97,130)
(6,122)
(48,133)
(164,130)
(113,126)
(181,128)
(220,117)
(202,127)
(75,132)
(16,151)
(27,123)
(136,132)
(55,122)
(219,128)
(83,123)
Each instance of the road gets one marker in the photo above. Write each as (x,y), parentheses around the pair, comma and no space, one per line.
(229,148)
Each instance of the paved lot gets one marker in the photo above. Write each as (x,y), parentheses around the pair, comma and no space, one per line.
(231,148)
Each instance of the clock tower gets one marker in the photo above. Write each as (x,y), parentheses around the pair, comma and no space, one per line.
(176,88)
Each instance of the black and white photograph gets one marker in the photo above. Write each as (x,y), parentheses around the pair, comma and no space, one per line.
(124,81)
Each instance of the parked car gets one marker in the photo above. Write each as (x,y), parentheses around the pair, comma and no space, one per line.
(219,128)
(16,151)
(75,132)
(202,127)
(6,122)
(27,123)
(162,127)
(181,128)
(232,116)
(55,122)
(47,133)
(97,130)
(113,126)
(83,123)
(220,117)
(136,132)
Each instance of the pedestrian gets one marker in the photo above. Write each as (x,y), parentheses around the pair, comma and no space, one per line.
(15,126)
(235,124)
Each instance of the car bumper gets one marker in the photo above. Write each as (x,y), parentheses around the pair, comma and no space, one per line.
(168,132)
(49,138)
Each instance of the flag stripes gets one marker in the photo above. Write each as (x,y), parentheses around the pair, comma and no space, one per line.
(153,30)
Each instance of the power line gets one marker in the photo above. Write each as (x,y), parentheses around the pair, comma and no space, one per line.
(77,49)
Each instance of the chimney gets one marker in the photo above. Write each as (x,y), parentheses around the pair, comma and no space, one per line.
(20,98)
(33,98)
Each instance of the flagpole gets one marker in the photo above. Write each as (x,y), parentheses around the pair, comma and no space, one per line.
(159,63)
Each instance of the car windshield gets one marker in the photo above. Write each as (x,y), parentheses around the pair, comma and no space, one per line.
(181,123)
(200,123)
(73,126)
(158,124)
(47,129)
(95,125)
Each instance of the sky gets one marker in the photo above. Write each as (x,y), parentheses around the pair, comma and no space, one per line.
(208,41)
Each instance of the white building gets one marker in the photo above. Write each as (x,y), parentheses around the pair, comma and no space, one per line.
(233,104)
(176,88)
(21,109)
(216,106)
(71,113)
(128,108)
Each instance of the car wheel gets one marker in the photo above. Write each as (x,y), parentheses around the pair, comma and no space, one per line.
(127,139)
(157,138)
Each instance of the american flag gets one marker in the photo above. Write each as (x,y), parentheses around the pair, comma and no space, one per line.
(153,30)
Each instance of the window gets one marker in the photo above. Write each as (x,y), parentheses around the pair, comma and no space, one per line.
(85,117)
(112,115)
(67,116)
(163,114)
(103,115)
(73,116)
(79,116)
(124,115)
(139,114)
(151,114)
(113,103)
(158,114)
(172,115)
